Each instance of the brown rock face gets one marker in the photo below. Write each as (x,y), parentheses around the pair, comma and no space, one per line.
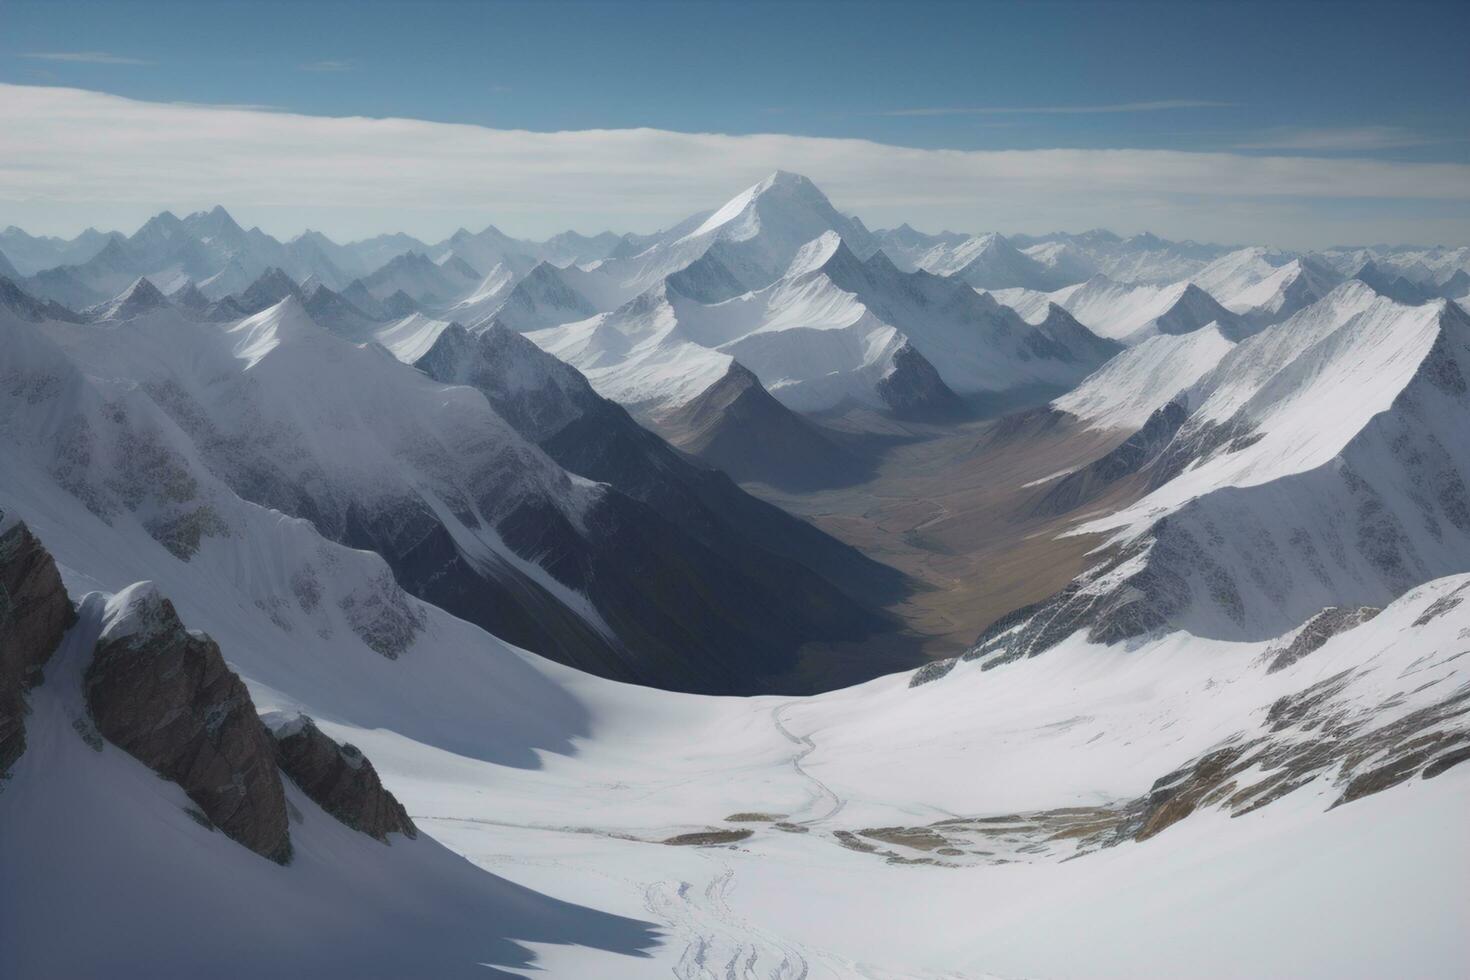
(165,696)
(35,612)
(338,777)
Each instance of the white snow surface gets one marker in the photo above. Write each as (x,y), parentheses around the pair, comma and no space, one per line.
(823,333)
(1125,391)
(1127,312)
(140,416)
(1324,464)
(535,786)
(554,780)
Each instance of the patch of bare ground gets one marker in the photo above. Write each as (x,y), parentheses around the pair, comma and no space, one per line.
(956,509)
(1311,738)
(755,817)
(707,838)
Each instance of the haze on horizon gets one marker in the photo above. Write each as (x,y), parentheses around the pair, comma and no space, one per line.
(1309,128)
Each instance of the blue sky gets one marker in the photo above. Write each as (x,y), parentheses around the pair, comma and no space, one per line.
(1331,80)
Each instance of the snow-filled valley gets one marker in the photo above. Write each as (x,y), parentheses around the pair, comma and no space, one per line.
(591,607)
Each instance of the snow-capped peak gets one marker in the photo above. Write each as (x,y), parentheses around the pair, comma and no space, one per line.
(258,335)
(776,196)
(814,254)
(139,298)
(137,609)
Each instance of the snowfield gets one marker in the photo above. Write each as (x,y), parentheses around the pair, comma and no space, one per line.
(1235,745)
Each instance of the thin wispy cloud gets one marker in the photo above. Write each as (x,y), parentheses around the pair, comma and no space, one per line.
(329,65)
(85,57)
(1346,139)
(1059,110)
(357,175)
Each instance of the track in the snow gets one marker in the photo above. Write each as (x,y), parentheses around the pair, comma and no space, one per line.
(836,803)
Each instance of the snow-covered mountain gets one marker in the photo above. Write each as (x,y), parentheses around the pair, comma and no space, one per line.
(1125,391)
(1424,267)
(1142,258)
(1279,293)
(542,298)
(1127,313)
(221,258)
(1331,446)
(986,261)
(281,571)
(422,280)
(551,404)
(824,333)
(469,515)
(841,805)
(30,254)
(753,237)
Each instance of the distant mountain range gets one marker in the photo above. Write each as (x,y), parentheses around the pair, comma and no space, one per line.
(325,568)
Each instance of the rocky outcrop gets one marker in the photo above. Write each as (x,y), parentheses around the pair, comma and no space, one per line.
(1317,631)
(1132,455)
(735,554)
(273,286)
(35,613)
(933,671)
(738,426)
(338,777)
(913,390)
(164,695)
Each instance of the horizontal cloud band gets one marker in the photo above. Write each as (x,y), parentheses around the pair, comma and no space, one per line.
(67,145)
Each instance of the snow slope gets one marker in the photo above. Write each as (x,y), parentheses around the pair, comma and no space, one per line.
(1293,286)
(1125,391)
(1134,313)
(825,332)
(1322,462)
(754,236)
(106,874)
(616,769)
(1083,727)
(991,262)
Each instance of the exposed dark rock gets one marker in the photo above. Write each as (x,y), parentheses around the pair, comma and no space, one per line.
(707,280)
(28,307)
(716,568)
(1141,603)
(543,299)
(357,294)
(334,312)
(914,391)
(273,286)
(1447,760)
(932,671)
(398,304)
(338,777)
(1136,452)
(708,838)
(738,426)
(431,283)
(1060,336)
(1318,630)
(1178,794)
(1389,284)
(1442,605)
(138,299)
(35,612)
(550,403)
(1456,286)
(164,695)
